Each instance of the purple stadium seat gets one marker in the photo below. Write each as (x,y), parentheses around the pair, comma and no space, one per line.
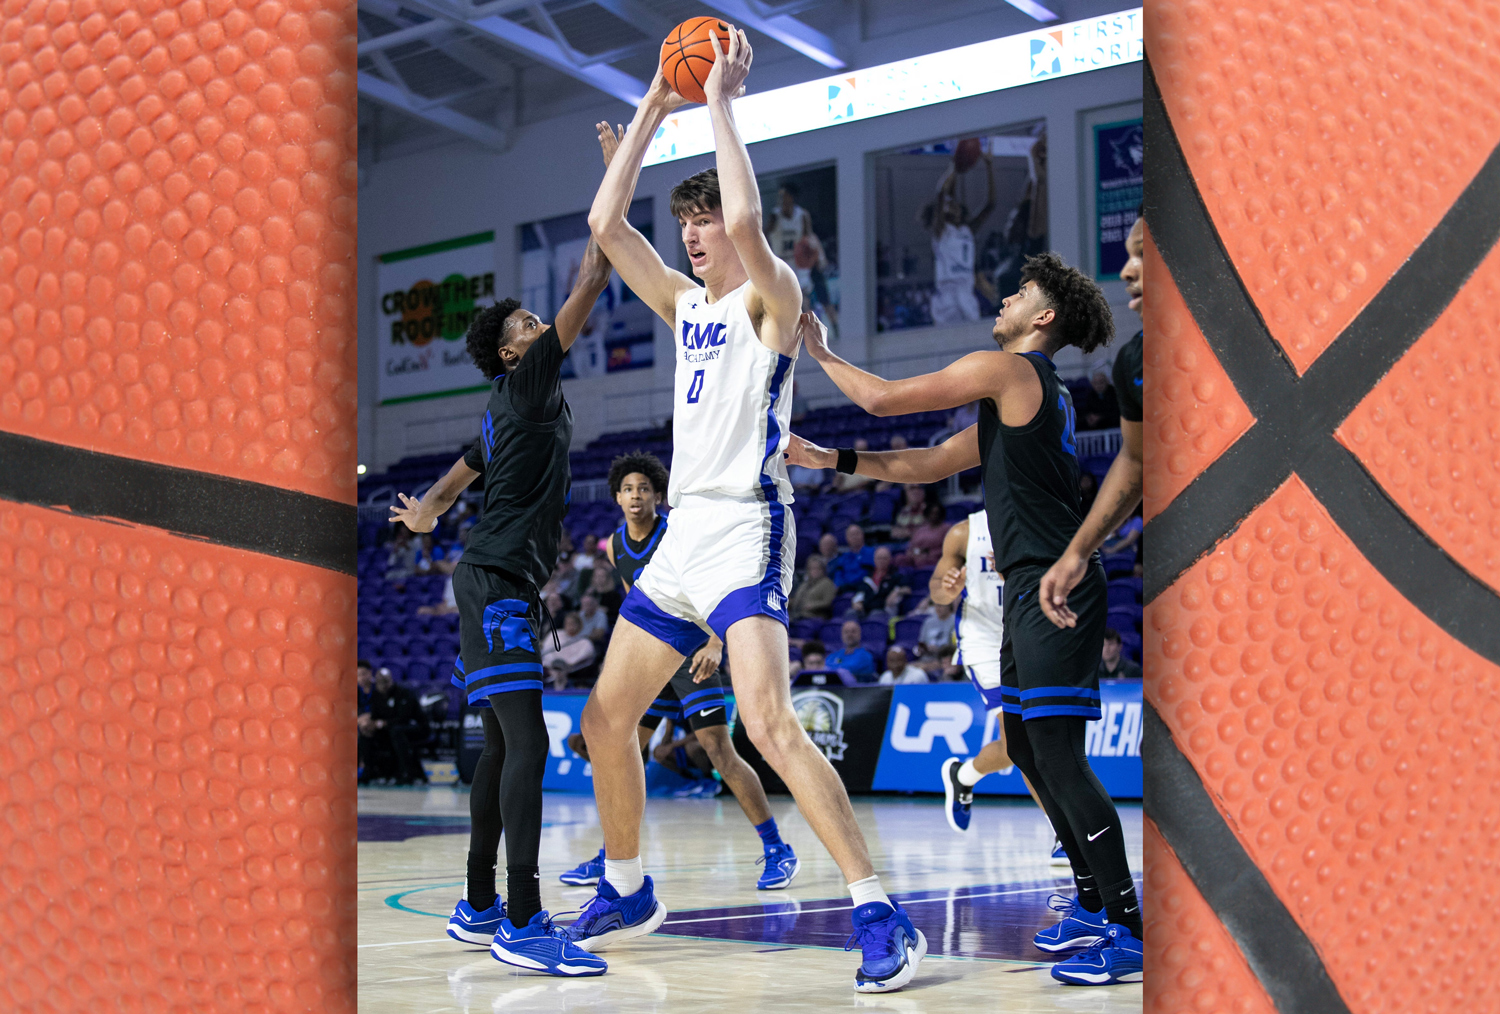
(830,634)
(1121,594)
(874,632)
(909,631)
(1119,564)
(1124,618)
(805,628)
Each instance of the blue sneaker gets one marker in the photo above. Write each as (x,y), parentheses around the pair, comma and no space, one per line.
(1079,927)
(610,919)
(473,927)
(542,947)
(959,797)
(1117,957)
(781,867)
(1059,856)
(891,947)
(585,873)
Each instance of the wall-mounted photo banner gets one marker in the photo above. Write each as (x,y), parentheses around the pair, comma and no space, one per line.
(994,65)
(801,217)
(428,296)
(619,332)
(1119,186)
(955,220)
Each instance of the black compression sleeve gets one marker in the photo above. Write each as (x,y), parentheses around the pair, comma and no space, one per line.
(535,385)
(474,457)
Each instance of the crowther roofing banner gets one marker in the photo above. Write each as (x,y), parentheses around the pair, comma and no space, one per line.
(428,296)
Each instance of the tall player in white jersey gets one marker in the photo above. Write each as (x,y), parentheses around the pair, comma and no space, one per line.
(725,563)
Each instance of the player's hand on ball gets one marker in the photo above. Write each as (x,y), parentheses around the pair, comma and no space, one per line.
(660,94)
(1061,578)
(812,334)
(808,454)
(706,661)
(609,141)
(727,78)
(411,514)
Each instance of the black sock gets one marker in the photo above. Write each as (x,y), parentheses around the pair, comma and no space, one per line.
(1123,906)
(1088,892)
(481,882)
(523,889)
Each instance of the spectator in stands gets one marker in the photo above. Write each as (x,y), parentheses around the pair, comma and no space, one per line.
(799,404)
(843,483)
(447,605)
(936,636)
(898,442)
(397,722)
(814,592)
(1113,664)
(814,655)
(364,681)
(574,653)
(911,511)
(849,568)
(1126,536)
(881,588)
(604,586)
(564,580)
(401,557)
(828,547)
(1088,489)
(587,554)
(926,542)
(899,670)
(853,656)
(1101,409)
(556,608)
(594,620)
(806,480)
(428,553)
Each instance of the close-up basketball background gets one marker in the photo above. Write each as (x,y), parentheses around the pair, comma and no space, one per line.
(1323,195)
(177,373)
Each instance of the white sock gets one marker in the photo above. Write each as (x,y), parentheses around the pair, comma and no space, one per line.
(967,775)
(624,875)
(868,890)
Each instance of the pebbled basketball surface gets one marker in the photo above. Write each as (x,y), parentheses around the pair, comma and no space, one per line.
(176,292)
(1322,646)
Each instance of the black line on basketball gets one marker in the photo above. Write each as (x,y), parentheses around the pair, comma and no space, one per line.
(228,512)
(1296,417)
(1275,946)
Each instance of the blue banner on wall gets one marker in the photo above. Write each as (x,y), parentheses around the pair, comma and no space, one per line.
(566,770)
(929,723)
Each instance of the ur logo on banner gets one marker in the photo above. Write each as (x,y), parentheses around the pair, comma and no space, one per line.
(822,715)
(946,720)
(1046,55)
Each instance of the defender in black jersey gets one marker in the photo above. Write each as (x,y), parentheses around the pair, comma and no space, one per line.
(1024,443)
(1120,492)
(522,452)
(695,695)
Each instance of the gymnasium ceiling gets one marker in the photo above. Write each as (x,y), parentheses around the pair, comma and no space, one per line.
(434,73)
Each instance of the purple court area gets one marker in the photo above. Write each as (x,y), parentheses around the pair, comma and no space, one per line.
(399,827)
(979,921)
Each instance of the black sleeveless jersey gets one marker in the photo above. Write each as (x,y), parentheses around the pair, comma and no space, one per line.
(631,557)
(1031,476)
(1127,378)
(527,482)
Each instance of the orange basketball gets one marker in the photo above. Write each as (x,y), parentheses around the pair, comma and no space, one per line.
(687,55)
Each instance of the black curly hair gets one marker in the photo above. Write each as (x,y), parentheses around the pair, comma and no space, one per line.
(648,465)
(487,335)
(1084,318)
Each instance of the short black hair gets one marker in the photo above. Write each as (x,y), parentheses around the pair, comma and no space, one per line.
(1084,318)
(487,334)
(363,663)
(814,647)
(648,465)
(1111,634)
(791,188)
(697,193)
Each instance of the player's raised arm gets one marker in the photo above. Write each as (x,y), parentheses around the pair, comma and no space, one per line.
(948,575)
(422,515)
(917,464)
(593,276)
(640,266)
(774,283)
(977,375)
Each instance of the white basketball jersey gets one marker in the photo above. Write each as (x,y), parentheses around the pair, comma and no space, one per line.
(786,230)
(953,255)
(980,619)
(732,408)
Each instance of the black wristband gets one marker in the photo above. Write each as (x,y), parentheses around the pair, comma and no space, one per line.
(848,460)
